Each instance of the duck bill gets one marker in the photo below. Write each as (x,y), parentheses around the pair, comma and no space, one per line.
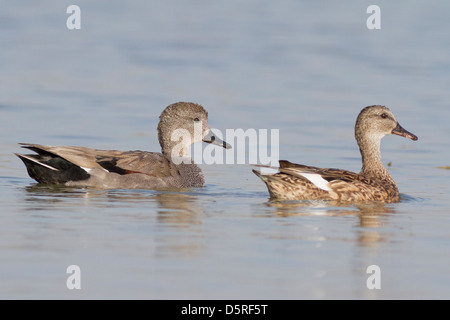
(398,130)
(212,138)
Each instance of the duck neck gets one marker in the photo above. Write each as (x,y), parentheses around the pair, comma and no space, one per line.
(177,151)
(177,154)
(372,165)
(180,155)
(190,173)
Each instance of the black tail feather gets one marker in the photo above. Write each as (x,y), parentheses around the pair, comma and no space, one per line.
(51,169)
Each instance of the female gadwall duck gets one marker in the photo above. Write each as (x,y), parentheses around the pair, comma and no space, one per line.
(111,169)
(373,183)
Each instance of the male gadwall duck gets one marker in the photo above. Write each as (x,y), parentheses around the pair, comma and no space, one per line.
(112,169)
(373,183)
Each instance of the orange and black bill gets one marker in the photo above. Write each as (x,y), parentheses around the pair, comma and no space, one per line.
(398,130)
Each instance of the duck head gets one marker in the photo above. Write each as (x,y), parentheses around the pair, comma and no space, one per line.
(183,124)
(374,122)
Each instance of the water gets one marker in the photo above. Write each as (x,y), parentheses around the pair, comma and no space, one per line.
(304,68)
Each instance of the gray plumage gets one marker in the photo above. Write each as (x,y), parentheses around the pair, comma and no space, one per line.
(112,169)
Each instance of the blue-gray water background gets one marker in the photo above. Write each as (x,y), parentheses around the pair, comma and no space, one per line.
(303,67)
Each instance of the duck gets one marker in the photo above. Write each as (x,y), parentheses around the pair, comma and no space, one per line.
(181,124)
(373,183)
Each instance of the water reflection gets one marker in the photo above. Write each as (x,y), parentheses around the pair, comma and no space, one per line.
(183,214)
(178,209)
(371,216)
(170,220)
(172,207)
(51,197)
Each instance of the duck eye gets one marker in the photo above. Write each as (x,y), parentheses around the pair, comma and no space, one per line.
(196,119)
(384,115)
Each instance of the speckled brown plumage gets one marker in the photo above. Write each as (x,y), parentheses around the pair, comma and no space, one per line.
(112,169)
(373,183)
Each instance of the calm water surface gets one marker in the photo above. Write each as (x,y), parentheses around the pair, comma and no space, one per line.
(306,69)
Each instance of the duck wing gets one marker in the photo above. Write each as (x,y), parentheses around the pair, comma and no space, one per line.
(142,162)
(60,164)
(341,184)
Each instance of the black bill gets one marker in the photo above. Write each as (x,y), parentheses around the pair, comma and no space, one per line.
(398,130)
(212,138)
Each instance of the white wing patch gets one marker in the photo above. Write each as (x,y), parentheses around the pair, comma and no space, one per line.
(317,180)
(88,170)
